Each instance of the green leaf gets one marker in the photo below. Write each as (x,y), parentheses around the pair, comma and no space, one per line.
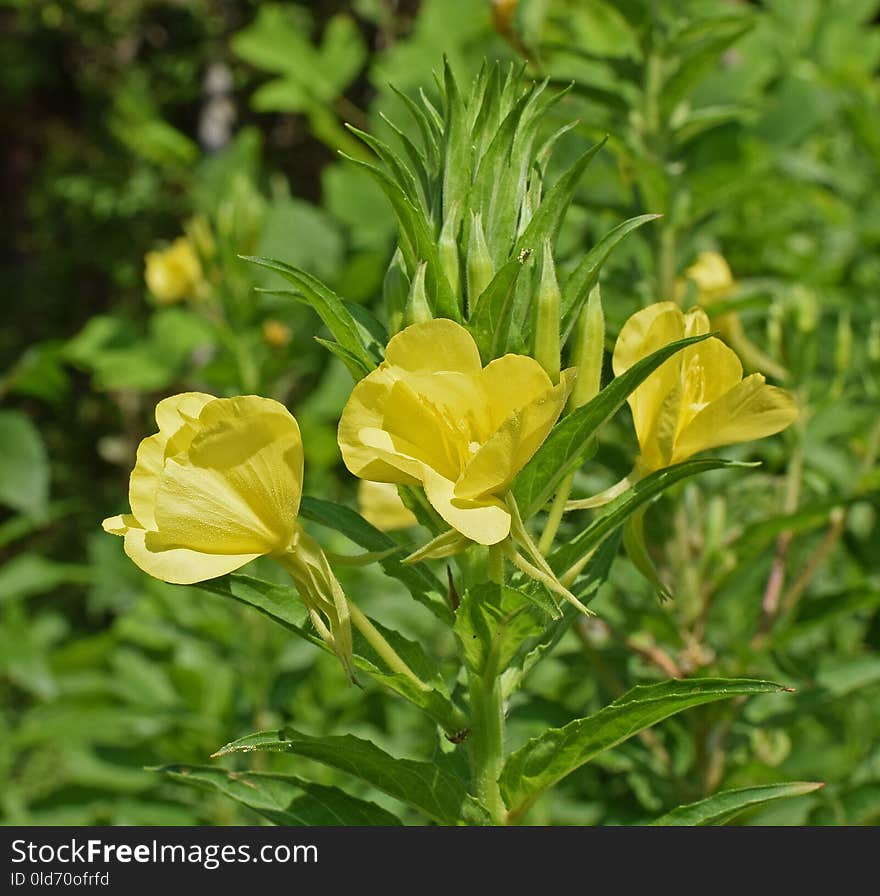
(32,574)
(424,586)
(547,219)
(550,756)
(563,450)
(282,605)
(426,786)
(491,624)
(490,321)
(586,274)
(417,242)
(330,308)
(723,807)
(283,799)
(621,509)
(24,466)
(354,366)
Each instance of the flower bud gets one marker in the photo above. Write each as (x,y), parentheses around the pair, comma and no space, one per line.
(547,317)
(447,247)
(276,334)
(589,350)
(395,290)
(480,269)
(173,274)
(418,311)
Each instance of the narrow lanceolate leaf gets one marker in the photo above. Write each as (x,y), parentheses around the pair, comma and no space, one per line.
(548,758)
(567,443)
(426,786)
(489,322)
(282,605)
(586,275)
(424,586)
(615,514)
(417,242)
(353,364)
(725,806)
(329,307)
(283,799)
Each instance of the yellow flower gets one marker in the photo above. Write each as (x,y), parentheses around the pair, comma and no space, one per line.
(380,504)
(712,276)
(432,415)
(276,334)
(173,274)
(697,399)
(218,486)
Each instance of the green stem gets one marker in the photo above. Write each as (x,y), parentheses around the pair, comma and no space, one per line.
(486,741)
(376,640)
(554,519)
(496,564)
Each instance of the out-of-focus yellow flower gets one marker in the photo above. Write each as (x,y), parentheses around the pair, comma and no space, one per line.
(173,274)
(218,486)
(276,333)
(712,276)
(697,399)
(714,281)
(432,415)
(380,504)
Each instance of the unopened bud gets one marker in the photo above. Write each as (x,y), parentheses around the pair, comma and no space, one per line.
(418,311)
(447,247)
(480,269)
(276,334)
(547,317)
(395,291)
(589,350)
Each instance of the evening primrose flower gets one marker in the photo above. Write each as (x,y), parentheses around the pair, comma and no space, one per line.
(432,415)
(697,399)
(218,486)
(173,274)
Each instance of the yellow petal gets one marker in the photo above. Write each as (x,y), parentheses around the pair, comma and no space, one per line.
(509,449)
(750,410)
(709,370)
(510,383)
(486,522)
(638,336)
(363,412)
(424,431)
(655,414)
(145,477)
(176,410)
(696,322)
(380,504)
(433,346)
(237,488)
(119,525)
(179,565)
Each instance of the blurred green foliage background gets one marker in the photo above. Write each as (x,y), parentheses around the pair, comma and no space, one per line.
(754,128)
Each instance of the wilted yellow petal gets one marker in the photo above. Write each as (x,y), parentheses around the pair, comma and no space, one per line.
(750,410)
